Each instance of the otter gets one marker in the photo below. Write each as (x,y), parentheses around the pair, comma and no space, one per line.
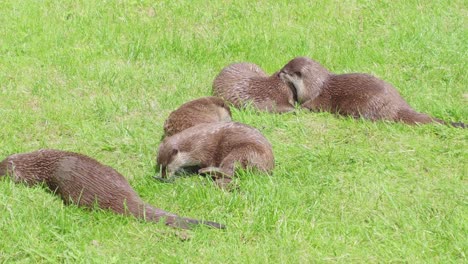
(202,110)
(85,182)
(216,149)
(245,83)
(353,94)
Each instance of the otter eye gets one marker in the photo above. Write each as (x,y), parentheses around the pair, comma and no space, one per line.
(174,152)
(298,74)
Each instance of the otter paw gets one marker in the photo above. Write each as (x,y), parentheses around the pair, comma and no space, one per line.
(165,180)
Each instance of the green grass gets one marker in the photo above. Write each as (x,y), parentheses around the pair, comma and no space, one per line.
(100,77)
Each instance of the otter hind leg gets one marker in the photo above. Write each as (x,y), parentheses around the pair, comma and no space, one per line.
(281,109)
(273,107)
(317,105)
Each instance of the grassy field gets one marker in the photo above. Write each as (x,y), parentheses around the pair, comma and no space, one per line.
(100,77)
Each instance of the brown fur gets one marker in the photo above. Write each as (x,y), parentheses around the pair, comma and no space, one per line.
(245,83)
(203,110)
(84,181)
(216,148)
(355,94)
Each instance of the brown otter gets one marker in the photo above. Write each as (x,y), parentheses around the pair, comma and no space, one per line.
(198,111)
(246,83)
(216,148)
(354,94)
(86,182)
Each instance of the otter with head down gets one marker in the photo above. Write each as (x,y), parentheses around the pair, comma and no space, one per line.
(202,110)
(216,149)
(245,83)
(84,181)
(354,94)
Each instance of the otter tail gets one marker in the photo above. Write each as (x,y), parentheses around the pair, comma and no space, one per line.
(155,215)
(458,124)
(411,117)
(182,222)
(454,124)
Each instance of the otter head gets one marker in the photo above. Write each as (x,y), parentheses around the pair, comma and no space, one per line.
(291,100)
(166,156)
(3,167)
(305,76)
(173,157)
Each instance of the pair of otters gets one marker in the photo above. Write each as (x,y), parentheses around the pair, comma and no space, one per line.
(307,82)
(86,182)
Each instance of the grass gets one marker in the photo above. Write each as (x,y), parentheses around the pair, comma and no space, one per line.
(100,77)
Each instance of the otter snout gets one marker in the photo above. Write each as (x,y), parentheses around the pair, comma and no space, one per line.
(166,172)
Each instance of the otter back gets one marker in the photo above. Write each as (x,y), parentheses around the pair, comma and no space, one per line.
(245,84)
(203,110)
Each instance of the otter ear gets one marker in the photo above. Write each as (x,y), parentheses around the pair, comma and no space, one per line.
(223,103)
(226,106)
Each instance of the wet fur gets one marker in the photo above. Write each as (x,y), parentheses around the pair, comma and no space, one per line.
(203,110)
(83,181)
(354,94)
(217,148)
(243,84)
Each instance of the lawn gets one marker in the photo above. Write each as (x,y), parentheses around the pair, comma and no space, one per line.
(100,77)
